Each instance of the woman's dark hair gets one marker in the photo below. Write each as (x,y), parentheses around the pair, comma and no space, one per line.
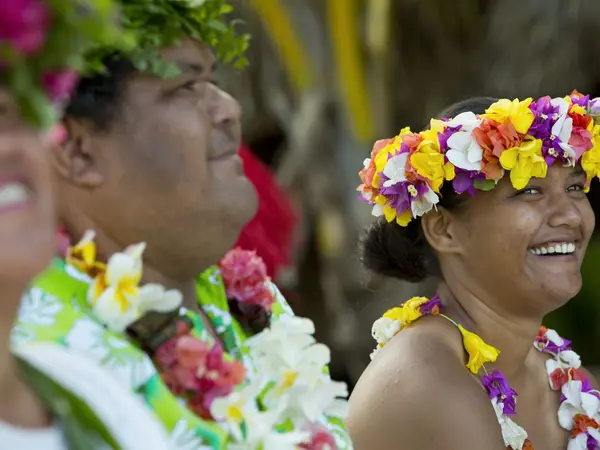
(390,250)
(98,97)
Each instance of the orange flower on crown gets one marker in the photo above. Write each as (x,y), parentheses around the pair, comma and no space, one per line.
(494,138)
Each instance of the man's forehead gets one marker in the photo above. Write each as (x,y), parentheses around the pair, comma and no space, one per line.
(191,56)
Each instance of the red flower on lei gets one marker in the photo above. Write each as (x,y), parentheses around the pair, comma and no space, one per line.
(196,371)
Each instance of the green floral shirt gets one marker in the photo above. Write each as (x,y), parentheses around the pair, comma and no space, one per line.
(55,310)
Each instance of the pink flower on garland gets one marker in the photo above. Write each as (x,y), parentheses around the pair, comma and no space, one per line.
(246,280)
(320,438)
(24,24)
(196,371)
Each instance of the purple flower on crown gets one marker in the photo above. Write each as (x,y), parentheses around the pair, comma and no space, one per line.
(400,195)
(443,136)
(464,181)
(594,106)
(497,387)
(24,24)
(583,101)
(545,116)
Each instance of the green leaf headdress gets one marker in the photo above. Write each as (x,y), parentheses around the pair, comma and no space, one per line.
(42,43)
(154,24)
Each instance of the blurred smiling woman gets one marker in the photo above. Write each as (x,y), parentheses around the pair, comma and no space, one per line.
(491,201)
(50,398)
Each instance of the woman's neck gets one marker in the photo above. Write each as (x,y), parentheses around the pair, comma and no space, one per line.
(18,403)
(512,335)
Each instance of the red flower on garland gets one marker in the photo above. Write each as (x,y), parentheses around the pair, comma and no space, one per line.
(246,280)
(192,369)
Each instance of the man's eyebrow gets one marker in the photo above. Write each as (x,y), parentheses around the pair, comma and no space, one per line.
(194,68)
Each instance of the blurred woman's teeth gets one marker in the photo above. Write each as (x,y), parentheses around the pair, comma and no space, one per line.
(12,194)
(561,248)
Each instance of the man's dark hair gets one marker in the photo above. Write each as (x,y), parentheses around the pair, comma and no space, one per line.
(98,97)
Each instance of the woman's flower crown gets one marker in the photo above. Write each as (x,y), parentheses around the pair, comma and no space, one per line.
(41,49)
(404,175)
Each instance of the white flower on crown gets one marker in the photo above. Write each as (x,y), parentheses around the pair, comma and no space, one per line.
(563,127)
(395,169)
(576,402)
(424,203)
(463,149)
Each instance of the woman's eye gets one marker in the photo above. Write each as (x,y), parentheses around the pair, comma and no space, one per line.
(576,187)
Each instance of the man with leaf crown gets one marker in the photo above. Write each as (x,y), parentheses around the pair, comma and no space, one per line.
(152,196)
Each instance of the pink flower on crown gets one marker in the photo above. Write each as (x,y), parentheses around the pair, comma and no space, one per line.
(24,24)
(59,84)
(245,277)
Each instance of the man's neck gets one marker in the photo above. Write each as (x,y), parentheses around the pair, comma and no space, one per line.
(512,335)
(18,404)
(152,273)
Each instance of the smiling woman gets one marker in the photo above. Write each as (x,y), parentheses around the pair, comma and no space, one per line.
(490,201)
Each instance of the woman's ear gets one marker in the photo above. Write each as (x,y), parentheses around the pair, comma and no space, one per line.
(75,159)
(439,230)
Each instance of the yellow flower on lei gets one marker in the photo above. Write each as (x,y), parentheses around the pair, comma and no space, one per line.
(82,255)
(408,312)
(516,111)
(479,352)
(590,160)
(524,162)
(429,161)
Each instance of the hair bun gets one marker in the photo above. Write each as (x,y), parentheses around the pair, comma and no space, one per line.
(394,251)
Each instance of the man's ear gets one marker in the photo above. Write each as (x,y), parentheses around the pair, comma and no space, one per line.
(439,230)
(74,159)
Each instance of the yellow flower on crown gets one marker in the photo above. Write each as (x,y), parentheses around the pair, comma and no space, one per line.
(516,111)
(408,312)
(524,162)
(479,352)
(590,160)
(429,162)
(384,154)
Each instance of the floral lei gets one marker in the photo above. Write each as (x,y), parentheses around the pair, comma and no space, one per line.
(277,403)
(404,176)
(579,410)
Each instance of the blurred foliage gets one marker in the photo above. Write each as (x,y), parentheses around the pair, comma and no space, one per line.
(578,319)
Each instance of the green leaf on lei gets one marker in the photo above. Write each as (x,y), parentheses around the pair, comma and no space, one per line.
(484,185)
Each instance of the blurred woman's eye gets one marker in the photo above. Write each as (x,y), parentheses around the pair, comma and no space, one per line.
(529,191)
(576,187)
(194,86)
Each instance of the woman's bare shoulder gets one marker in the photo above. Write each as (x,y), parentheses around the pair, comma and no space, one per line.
(417,392)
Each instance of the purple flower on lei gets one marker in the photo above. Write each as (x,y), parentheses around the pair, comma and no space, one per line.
(464,181)
(497,386)
(432,306)
(547,346)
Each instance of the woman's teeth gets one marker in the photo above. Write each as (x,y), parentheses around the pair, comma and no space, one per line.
(13,194)
(560,248)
